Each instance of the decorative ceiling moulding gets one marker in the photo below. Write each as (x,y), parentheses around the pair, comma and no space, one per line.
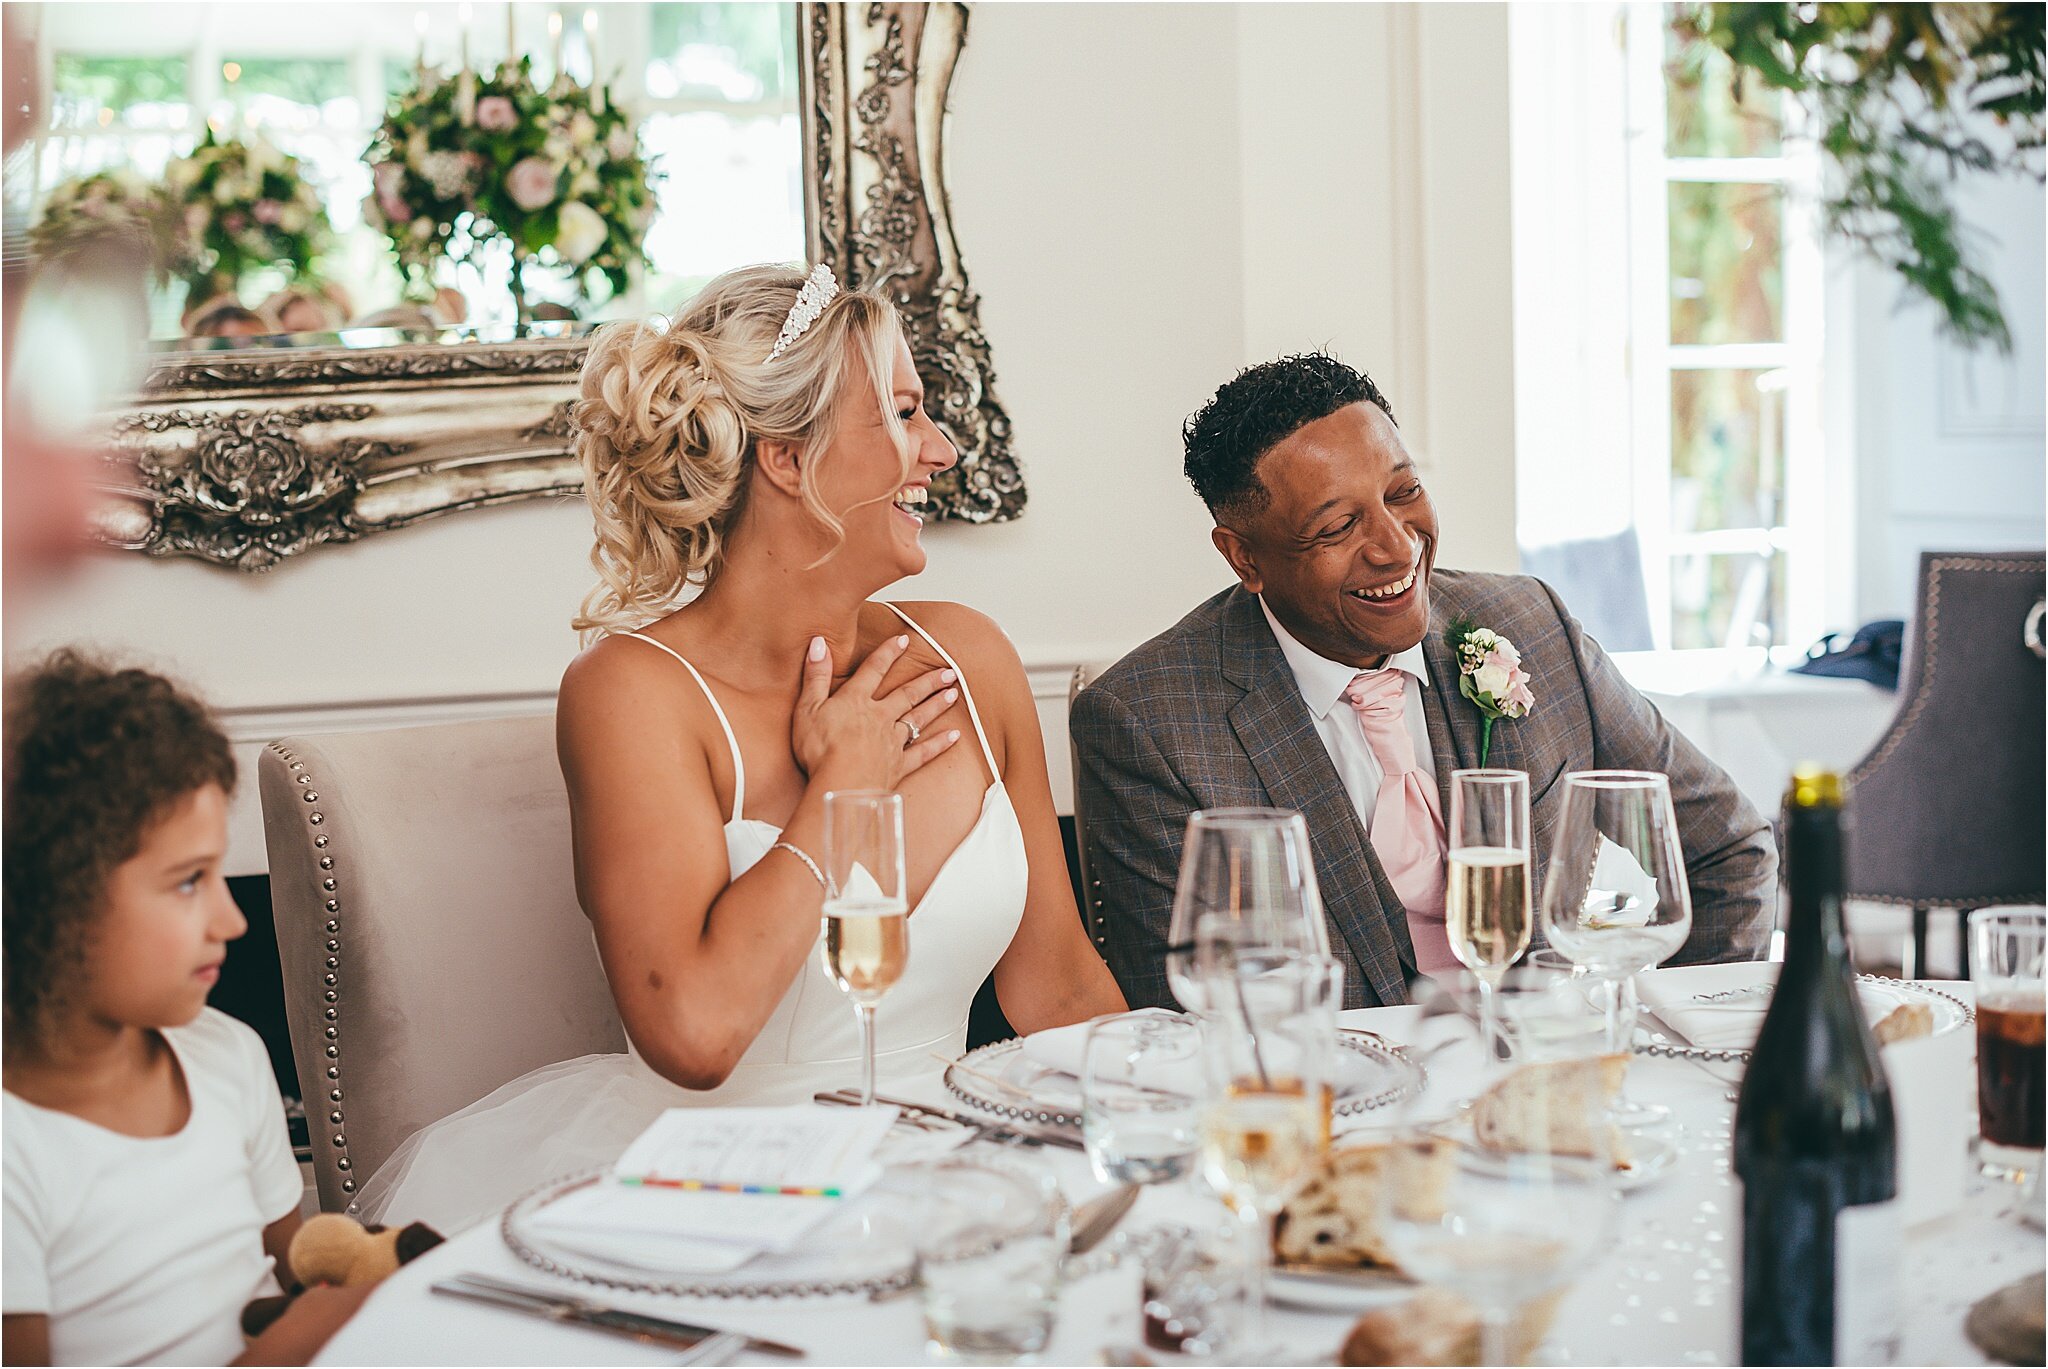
(248,458)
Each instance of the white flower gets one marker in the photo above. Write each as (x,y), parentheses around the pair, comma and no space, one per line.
(1491,680)
(584,183)
(294,219)
(580,232)
(621,143)
(582,129)
(447,172)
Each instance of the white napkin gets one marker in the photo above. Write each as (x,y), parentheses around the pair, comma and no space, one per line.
(1061,1049)
(1930,1078)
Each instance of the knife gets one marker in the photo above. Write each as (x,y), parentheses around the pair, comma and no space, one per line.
(542,1302)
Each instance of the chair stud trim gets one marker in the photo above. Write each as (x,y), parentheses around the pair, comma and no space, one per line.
(337,1138)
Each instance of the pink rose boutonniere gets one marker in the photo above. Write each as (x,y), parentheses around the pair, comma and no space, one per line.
(1490,674)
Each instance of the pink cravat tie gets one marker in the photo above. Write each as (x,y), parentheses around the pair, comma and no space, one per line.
(1407,826)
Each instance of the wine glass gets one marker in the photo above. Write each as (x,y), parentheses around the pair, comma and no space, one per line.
(866,932)
(1486,890)
(1615,898)
(1142,1085)
(1500,1226)
(1270,1051)
(1245,875)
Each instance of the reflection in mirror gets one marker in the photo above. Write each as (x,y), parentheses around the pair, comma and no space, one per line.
(234,137)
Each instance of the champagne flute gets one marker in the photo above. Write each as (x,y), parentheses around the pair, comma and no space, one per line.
(1270,1083)
(866,936)
(1245,873)
(1615,898)
(1486,892)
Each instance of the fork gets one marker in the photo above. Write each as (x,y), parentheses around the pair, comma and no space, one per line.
(715,1349)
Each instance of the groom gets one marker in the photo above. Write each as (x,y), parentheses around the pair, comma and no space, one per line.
(1323,682)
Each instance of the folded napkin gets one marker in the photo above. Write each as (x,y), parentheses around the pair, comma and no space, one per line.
(1719,1007)
(1061,1050)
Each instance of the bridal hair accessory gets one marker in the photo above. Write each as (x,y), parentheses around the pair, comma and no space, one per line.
(819,290)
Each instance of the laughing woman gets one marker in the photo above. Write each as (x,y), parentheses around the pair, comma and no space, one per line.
(770,450)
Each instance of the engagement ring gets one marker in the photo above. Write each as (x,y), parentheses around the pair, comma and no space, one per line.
(907,723)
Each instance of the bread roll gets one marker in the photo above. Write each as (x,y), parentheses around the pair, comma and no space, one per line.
(1907,1022)
(1335,1219)
(1555,1107)
(1438,1327)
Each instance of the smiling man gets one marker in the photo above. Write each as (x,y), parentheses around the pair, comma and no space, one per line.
(1323,682)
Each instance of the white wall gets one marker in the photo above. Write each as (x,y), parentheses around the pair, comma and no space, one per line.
(1148,197)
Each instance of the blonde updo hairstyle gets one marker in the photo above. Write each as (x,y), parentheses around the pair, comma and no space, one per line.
(670,415)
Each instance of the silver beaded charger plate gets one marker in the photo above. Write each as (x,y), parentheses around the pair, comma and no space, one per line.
(865,1247)
(1881,994)
(1371,1074)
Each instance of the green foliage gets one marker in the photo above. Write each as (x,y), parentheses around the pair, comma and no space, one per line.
(761,38)
(1903,95)
(118,82)
(304,81)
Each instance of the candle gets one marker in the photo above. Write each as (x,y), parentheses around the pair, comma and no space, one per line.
(511,35)
(555,41)
(590,43)
(465,85)
(419,28)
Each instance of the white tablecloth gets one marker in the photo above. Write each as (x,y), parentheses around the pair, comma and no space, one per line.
(1663,1294)
(1755,720)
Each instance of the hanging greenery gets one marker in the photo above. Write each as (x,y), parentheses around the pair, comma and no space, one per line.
(1906,99)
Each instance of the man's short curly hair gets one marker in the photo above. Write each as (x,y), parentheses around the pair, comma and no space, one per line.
(1255,412)
(95,757)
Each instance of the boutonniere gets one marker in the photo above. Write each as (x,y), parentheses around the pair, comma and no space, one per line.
(1490,674)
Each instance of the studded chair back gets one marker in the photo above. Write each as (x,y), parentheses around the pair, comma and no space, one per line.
(427,922)
(1091,887)
(1948,807)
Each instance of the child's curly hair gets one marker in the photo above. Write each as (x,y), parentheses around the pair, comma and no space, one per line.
(94,757)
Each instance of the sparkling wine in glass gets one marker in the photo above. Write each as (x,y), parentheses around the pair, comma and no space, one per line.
(1615,898)
(1270,1049)
(1486,889)
(1245,877)
(866,937)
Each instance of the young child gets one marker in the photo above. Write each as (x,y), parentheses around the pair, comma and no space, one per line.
(149,1182)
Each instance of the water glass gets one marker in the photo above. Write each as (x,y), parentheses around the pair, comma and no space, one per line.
(1191,1289)
(1142,1086)
(1246,876)
(2007,971)
(991,1235)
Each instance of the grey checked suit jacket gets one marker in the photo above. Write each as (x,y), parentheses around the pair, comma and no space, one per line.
(1208,715)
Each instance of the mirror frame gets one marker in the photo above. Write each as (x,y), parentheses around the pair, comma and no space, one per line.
(247,458)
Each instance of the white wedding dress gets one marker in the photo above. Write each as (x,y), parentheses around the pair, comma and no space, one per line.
(582,1113)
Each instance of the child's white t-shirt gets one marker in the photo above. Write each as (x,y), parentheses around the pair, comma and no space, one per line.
(144,1250)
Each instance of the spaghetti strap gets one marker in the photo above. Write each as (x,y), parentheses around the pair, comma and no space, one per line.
(739,767)
(994,775)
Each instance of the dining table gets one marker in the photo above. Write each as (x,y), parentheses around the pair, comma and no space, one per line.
(1663,1289)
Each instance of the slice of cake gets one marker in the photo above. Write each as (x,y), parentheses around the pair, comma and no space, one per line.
(1555,1107)
(1335,1219)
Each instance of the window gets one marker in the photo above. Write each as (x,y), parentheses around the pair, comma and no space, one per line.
(1725,342)
(714,83)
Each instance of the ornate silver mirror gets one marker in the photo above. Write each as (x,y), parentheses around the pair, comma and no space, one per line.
(248,450)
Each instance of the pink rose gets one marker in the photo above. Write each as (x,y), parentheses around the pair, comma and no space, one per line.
(234,221)
(268,211)
(395,209)
(1502,657)
(388,176)
(531,183)
(495,114)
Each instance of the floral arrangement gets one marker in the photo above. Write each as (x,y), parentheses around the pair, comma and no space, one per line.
(1490,674)
(557,173)
(245,204)
(115,208)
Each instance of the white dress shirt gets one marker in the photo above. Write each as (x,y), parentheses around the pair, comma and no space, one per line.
(1322,683)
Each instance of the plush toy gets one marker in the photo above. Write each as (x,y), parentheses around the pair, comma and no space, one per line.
(334,1249)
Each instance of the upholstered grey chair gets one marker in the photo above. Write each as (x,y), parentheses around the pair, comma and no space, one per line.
(1948,806)
(428,927)
(1091,887)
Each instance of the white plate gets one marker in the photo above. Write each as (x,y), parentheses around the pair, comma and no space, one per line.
(1880,995)
(1339,1290)
(1370,1074)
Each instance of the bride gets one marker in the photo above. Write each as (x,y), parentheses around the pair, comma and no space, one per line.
(769,448)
